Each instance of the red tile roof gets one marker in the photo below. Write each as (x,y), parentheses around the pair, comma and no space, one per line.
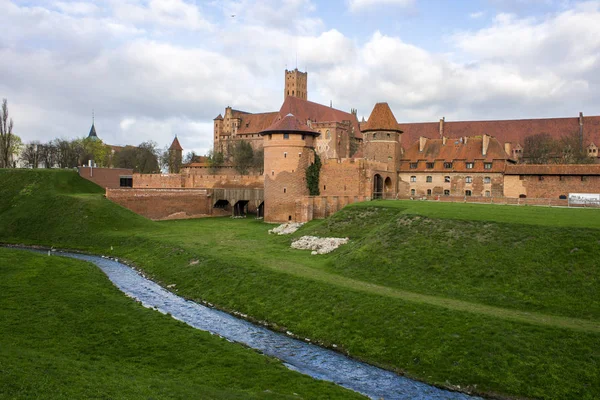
(305,110)
(175,145)
(455,149)
(534,169)
(513,131)
(381,119)
(289,123)
(255,123)
(219,117)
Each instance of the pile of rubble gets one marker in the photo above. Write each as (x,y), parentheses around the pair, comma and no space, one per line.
(318,245)
(286,229)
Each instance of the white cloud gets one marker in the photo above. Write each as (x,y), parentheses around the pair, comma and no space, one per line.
(358,5)
(77,7)
(172,14)
(476,15)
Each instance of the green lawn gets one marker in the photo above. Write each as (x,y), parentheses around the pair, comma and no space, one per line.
(67,333)
(499,299)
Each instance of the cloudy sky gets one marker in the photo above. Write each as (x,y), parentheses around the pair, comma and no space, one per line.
(155,68)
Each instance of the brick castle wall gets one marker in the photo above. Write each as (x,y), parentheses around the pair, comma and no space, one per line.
(194,180)
(286,161)
(320,207)
(104,177)
(550,186)
(160,204)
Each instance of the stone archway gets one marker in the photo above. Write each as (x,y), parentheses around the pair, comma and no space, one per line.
(387,185)
(377,187)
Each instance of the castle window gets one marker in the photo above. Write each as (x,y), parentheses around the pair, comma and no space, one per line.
(469,179)
(470,165)
(583,178)
(429,165)
(413,178)
(487,179)
(447,165)
(273,172)
(447,179)
(428,192)
(561,178)
(324,187)
(284,155)
(446,192)
(521,177)
(286,135)
(303,137)
(388,135)
(270,136)
(374,136)
(541,178)
(284,190)
(299,155)
(414,165)
(429,179)
(412,192)
(488,193)
(125,181)
(468,193)
(487,165)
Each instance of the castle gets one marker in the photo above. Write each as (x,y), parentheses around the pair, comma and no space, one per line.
(361,160)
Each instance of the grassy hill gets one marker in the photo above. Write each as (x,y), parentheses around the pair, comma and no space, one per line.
(67,333)
(497,299)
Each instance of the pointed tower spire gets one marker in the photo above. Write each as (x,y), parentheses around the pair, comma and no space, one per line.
(92,134)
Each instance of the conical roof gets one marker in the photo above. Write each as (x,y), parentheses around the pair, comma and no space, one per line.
(175,145)
(289,124)
(92,133)
(381,119)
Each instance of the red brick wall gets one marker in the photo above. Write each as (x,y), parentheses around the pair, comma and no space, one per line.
(105,177)
(286,161)
(195,180)
(342,177)
(159,204)
(551,186)
(320,207)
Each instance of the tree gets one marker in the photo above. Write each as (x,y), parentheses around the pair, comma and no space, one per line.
(7,147)
(313,172)
(258,161)
(190,156)
(95,149)
(215,160)
(32,154)
(539,148)
(242,156)
(49,154)
(142,159)
(571,151)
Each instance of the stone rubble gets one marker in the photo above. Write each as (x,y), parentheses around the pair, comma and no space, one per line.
(286,229)
(318,245)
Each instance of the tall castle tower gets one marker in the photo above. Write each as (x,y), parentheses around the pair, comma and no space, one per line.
(296,84)
(289,150)
(175,156)
(382,137)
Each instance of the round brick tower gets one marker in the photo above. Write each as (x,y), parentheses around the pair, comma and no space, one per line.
(289,149)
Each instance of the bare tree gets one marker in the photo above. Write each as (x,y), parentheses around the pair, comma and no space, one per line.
(6,136)
(32,154)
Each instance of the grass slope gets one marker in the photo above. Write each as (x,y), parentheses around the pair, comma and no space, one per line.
(66,332)
(395,296)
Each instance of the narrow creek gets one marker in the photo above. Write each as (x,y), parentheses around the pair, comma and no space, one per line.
(297,355)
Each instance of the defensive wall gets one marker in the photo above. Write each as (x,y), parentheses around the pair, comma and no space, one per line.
(319,207)
(550,181)
(195,180)
(171,203)
(105,177)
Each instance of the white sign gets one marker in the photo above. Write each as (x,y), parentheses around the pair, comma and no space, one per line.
(589,199)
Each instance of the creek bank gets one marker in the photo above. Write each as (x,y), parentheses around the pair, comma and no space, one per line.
(297,355)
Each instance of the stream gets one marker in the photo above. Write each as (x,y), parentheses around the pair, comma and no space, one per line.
(297,355)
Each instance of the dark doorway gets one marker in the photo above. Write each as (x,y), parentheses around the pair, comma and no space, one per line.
(240,209)
(260,211)
(377,186)
(221,204)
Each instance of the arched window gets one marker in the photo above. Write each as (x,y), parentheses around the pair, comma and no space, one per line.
(412,192)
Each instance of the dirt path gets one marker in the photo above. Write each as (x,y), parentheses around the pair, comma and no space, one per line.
(451,304)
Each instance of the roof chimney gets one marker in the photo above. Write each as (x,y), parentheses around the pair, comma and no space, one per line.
(466,137)
(442,120)
(422,142)
(508,148)
(444,140)
(581,131)
(485,144)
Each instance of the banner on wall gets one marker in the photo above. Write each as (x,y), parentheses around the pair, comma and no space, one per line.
(586,199)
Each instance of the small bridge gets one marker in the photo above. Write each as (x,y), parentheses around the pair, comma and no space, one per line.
(240,201)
